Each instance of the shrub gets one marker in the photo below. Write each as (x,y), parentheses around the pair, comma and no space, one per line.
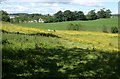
(74,27)
(69,27)
(114,29)
(104,29)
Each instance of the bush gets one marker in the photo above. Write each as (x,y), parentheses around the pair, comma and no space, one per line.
(74,27)
(69,27)
(114,29)
(104,29)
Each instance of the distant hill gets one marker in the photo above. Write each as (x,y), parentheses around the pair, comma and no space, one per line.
(115,14)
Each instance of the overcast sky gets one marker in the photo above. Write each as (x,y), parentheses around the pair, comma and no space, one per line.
(52,6)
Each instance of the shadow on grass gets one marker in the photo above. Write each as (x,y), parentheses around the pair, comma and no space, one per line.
(32,34)
(60,63)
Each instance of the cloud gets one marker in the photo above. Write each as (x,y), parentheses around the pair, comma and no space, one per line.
(61,0)
(51,6)
(31,7)
(42,1)
(91,3)
(94,3)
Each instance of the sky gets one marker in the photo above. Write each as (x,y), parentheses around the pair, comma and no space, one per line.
(53,6)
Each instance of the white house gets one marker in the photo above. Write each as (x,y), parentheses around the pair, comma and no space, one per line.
(12,16)
(30,21)
(40,20)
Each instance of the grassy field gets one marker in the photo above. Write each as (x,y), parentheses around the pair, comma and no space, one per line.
(95,25)
(86,39)
(32,53)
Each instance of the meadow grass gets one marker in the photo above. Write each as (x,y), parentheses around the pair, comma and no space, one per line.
(47,57)
(94,25)
(81,39)
(75,54)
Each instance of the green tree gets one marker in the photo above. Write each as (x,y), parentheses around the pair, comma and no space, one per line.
(80,15)
(108,13)
(68,15)
(12,20)
(58,16)
(4,16)
(16,20)
(91,15)
(49,18)
(103,13)
(23,17)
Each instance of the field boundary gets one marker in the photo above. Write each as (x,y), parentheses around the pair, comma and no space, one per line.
(32,34)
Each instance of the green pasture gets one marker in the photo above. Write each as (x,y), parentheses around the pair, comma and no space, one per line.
(71,55)
(94,25)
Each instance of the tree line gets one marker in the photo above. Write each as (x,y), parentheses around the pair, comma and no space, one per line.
(57,17)
(22,17)
(79,15)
